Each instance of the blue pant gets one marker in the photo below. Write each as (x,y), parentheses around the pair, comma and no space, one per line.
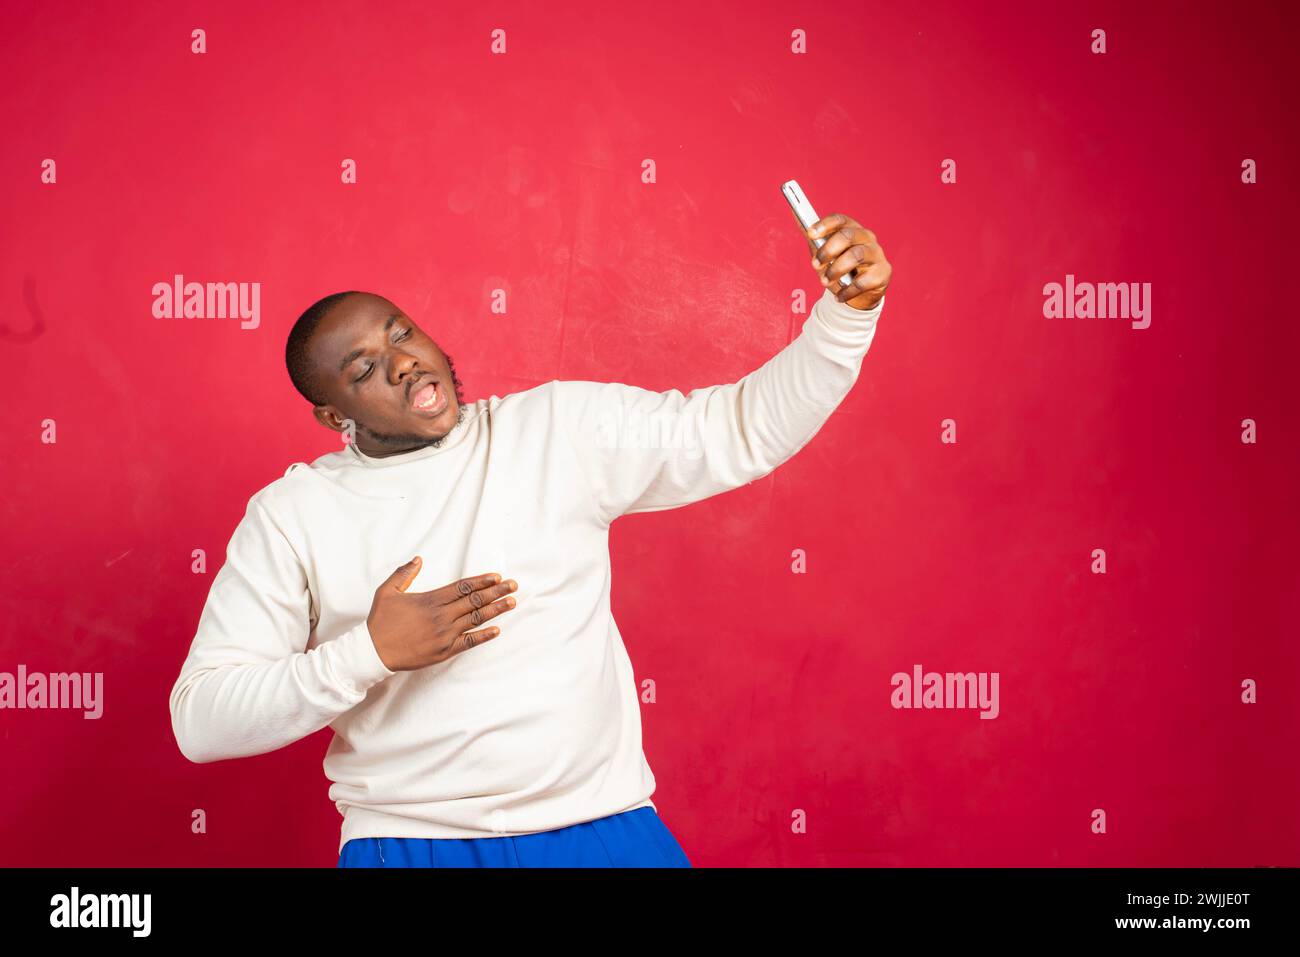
(636,838)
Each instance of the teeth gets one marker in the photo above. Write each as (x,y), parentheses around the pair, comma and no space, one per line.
(431,402)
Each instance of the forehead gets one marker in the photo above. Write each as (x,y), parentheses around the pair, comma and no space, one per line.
(358,313)
(350,325)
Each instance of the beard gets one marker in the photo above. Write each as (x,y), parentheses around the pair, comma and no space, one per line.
(410,439)
(421,441)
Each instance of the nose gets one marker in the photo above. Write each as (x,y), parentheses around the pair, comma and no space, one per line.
(403,366)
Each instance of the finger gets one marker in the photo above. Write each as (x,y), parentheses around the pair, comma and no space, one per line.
(828,224)
(458,590)
(869,280)
(477,616)
(472,639)
(847,261)
(842,239)
(401,579)
(825,277)
(477,599)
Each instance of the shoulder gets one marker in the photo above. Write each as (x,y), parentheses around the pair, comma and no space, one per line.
(584,407)
(285,496)
(557,399)
(573,397)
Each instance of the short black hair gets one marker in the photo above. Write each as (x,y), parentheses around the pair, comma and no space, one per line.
(295,348)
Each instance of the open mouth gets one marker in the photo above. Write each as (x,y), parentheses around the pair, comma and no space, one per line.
(429,399)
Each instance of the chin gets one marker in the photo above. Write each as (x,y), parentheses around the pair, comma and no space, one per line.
(436,428)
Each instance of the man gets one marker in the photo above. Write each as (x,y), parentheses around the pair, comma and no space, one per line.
(483,704)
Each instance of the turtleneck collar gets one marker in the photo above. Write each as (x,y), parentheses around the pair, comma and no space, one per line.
(453,438)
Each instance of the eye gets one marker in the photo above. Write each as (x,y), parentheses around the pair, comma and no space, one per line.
(404,334)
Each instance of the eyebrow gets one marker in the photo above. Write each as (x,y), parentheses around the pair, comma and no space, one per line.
(357,353)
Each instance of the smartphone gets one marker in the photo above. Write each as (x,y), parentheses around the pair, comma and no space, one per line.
(806,215)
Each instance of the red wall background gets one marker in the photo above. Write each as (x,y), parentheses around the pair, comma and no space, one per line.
(1119,691)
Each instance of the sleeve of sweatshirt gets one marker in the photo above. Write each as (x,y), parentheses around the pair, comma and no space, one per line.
(249,684)
(644,451)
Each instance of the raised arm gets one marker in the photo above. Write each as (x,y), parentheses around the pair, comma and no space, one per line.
(644,451)
(249,685)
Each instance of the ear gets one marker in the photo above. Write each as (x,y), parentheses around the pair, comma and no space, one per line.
(330,417)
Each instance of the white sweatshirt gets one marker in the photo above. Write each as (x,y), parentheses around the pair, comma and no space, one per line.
(539,728)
